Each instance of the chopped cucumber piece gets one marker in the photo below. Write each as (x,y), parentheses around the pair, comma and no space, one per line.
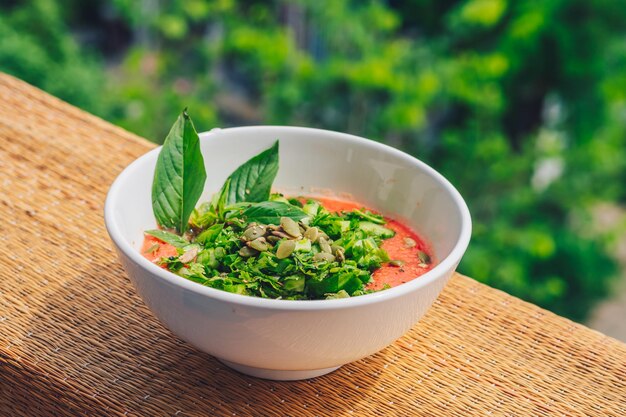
(344,225)
(311,208)
(303,245)
(376,230)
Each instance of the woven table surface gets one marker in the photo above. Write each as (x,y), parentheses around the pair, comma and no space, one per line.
(76,339)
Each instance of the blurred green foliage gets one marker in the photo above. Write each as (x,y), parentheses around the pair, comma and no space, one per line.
(36,45)
(521,104)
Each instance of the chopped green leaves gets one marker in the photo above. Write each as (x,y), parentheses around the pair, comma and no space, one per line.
(270,212)
(179,176)
(266,249)
(209,235)
(367,215)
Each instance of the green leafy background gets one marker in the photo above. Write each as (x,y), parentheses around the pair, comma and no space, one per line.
(521,104)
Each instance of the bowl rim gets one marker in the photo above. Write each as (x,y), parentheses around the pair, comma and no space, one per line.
(448,263)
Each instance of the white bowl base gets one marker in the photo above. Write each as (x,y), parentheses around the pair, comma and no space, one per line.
(278,375)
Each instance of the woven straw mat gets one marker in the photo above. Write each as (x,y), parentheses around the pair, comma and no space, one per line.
(75,338)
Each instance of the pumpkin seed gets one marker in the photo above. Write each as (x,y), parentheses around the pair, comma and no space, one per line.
(396,262)
(254,232)
(247,252)
(259,244)
(424,257)
(281,234)
(312,233)
(323,257)
(409,243)
(272,239)
(324,245)
(189,255)
(290,227)
(285,249)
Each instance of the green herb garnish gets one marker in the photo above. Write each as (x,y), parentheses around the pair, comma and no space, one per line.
(179,176)
(253,180)
(270,212)
(248,241)
(168,237)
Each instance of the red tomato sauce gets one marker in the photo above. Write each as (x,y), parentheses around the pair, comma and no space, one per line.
(336,206)
(154,249)
(396,247)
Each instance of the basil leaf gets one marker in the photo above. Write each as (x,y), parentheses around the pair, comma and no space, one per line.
(270,212)
(179,176)
(208,236)
(168,237)
(222,200)
(203,216)
(253,180)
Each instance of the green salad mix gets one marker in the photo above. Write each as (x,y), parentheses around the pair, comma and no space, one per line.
(249,241)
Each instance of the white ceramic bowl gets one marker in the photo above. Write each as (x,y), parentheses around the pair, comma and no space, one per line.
(281,339)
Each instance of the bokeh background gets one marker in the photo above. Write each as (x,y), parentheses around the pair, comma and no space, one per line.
(521,104)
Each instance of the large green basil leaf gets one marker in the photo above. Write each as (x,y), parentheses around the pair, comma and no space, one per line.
(179,176)
(253,180)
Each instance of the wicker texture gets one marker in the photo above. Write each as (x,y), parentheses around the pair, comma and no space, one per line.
(76,339)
